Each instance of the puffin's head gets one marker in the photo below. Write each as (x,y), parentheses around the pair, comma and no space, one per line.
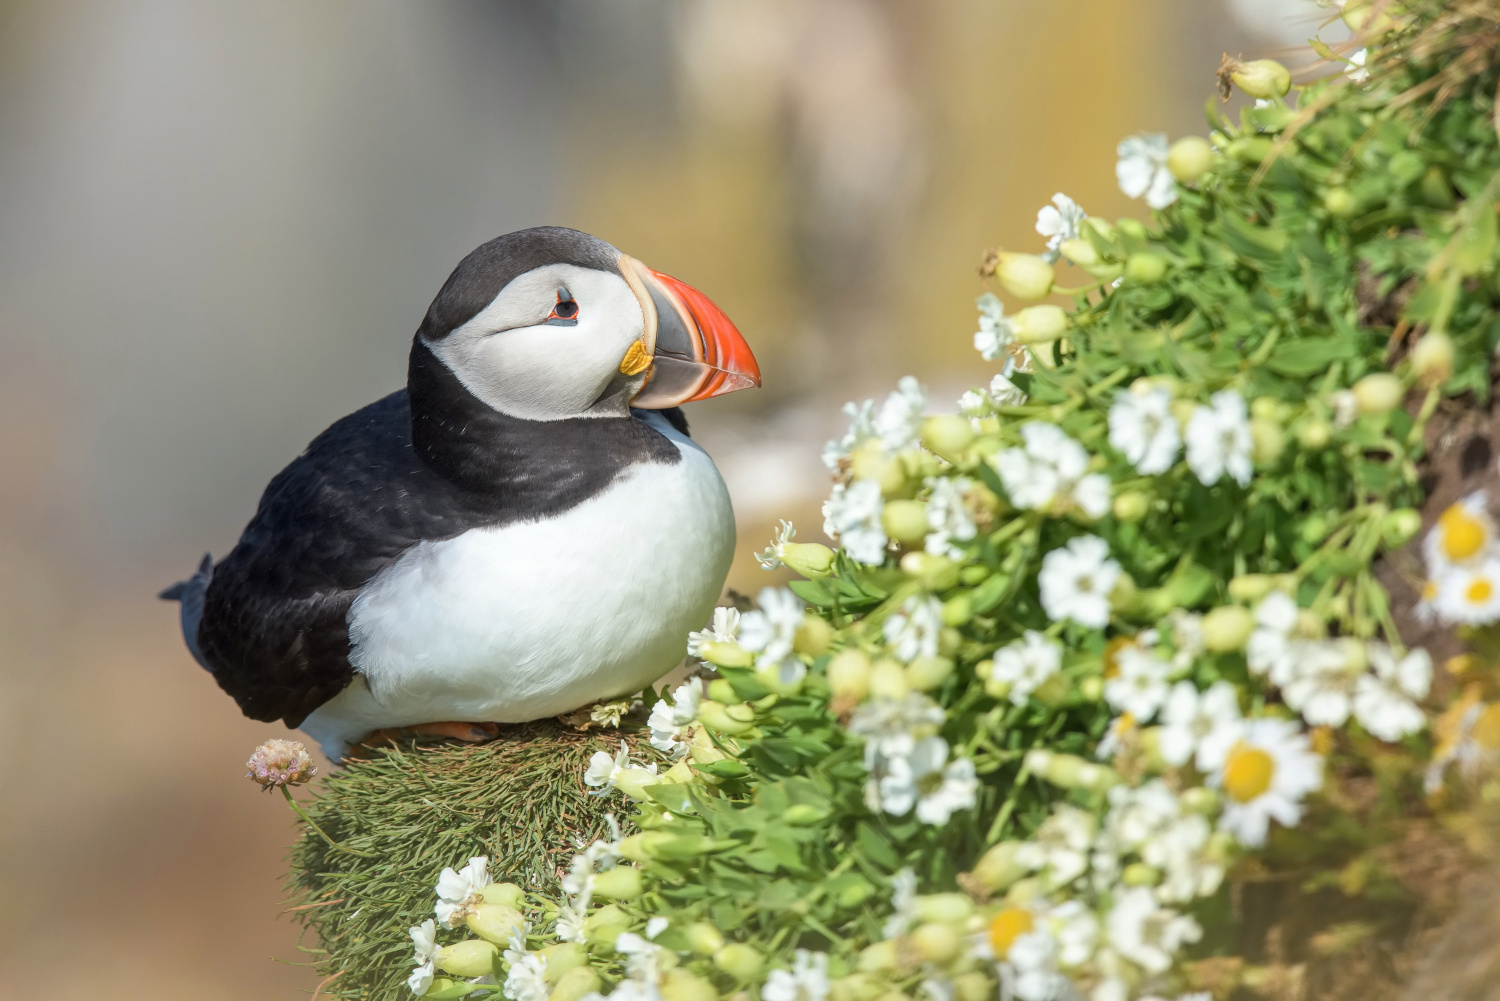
(551,323)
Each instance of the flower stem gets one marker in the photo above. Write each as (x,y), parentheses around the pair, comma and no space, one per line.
(297,808)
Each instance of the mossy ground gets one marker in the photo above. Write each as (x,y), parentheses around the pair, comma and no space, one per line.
(409,810)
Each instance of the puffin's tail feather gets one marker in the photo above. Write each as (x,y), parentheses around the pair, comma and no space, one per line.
(190,592)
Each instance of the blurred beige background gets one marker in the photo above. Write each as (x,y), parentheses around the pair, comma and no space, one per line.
(220,223)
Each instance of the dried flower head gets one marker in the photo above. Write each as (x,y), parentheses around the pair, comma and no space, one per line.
(280,763)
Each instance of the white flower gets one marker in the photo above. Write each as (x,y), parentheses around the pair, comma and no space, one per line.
(913,630)
(1469,594)
(852,515)
(1075,929)
(1356,70)
(1218,439)
(1142,428)
(770,629)
(892,727)
(973,404)
(1051,470)
(1029,972)
(424,941)
(996,332)
(861,429)
(903,904)
(1321,682)
(807,980)
(1026,664)
(669,718)
(1060,846)
(926,779)
(1345,408)
(1464,534)
(604,769)
(771,557)
(1269,650)
(1178,853)
(1385,703)
(1004,393)
(899,422)
(1076,582)
(1146,933)
(459,890)
(527,979)
(1142,170)
(1199,727)
(642,958)
(724,629)
(1058,222)
(1137,815)
(1187,637)
(947,515)
(1265,777)
(1120,730)
(1141,686)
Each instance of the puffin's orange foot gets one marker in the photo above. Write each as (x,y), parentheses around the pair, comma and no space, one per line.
(468,733)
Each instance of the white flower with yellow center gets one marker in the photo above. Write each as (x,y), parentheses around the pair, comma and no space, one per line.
(1058,222)
(724,628)
(1464,534)
(1265,777)
(1076,582)
(996,331)
(1199,727)
(807,980)
(861,429)
(1026,664)
(1142,170)
(852,515)
(1140,687)
(1142,428)
(1470,594)
(1385,702)
(1218,439)
(1051,471)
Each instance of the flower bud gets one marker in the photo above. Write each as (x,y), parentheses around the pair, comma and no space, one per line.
(1091,689)
(575,985)
(1227,628)
(680,774)
(561,958)
(1189,158)
(1269,408)
(1432,359)
(508,894)
(444,989)
(1040,324)
(1364,17)
(726,654)
(720,690)
(855,987)
(888,680)
(1315,434)
(636,847)
(604,926)
(280,762)
(1201,800)
(1132,505)
(620,883)
(947,435)
(946,907)
(973,986)
(1262,78)
(1400,526)
(633,782)
(958,610)
(1139,874)
(1024,276)
(1249,149)
(1080,252)
(1251,587)
(471,958)
(810,559)
(813,636)
(849,675)
(880,957)
(905,521)
(740,961)
(804,814)
(733,720)
(1145,268)
(1267,441)
(684,985)
(1339,203)
(936,573)
(997,868)
(704,939)
(926,673)
(494,922)
(936,942)
(995,688)
(869,462)
(1379,393)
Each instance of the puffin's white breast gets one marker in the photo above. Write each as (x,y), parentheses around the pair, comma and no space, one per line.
(537,618)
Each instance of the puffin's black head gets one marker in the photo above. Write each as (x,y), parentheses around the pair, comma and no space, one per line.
(551,323)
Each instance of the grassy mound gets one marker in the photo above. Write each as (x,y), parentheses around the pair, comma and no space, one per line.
(520,800)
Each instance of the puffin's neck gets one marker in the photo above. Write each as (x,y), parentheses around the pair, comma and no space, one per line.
(544,463)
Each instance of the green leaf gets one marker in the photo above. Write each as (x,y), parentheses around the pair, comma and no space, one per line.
(1309,355)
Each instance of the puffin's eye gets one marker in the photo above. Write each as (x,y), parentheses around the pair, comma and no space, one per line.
(566,310)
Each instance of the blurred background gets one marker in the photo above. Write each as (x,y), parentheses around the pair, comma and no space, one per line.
(220,223)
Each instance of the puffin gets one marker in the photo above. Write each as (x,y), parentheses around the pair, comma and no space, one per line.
(526,529)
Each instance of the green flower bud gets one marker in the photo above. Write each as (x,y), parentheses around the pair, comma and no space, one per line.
(508,894)
(888,680)
(471,958)
(1091,688)
(973,986)
(1315,434)
(443,989)
(704,939)
(1040,324)
(997,868)
(1379,393)
(810,559)
(1024,276)
(849,675)
(1263,78)
(1432,359)
(881,957)
(562,957)
(1364,17)
(1080,252)
(1251,587)
(1139,874)
(733,720)
(637,848)
(949,640)
(853,894)
(494,922)
(684,985)
(620,883)
(1133,229)
(1145,268)
(813,636)
(948,435)
(1269,408)
(633,782)
(740,961)
(680,774)
(1054,691)
(720,690)
(905,521)
(945,907)
(1249,149)
(1201,800)
(726,654)
(926,673)
(936,942)
(1132,505)
(869,462)
(1189,158)
(1101,227)
(974,574)
(605,925)
(575,985)
(1400,527)
(936,573)
(1339,203)
(1267,441)
(958,610)
(1227,628)
(855,987)
(995,688)
(803,814)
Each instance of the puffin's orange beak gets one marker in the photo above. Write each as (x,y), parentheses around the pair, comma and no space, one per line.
(696,351)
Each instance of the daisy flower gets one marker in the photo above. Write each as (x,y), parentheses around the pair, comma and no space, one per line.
(458,890)
(1142,170)
(861,429)
(424,942)
(1265,777)
(1218,439)
(1464,534)
(852,515)
(1058,222)
(1140,687)
(725,628)
(927,780)
(913,630)
(1146,933)
(1385,702)
(1026,664)
(1199,727)
(1142,428)
(807,980)
(1051,471)
(1076,582)
(996,332)
(1470,594)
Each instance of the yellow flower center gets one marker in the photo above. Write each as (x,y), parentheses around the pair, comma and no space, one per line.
(1112,654)
(1479,591)
(1463,534)
(1430,591)
(1247,773)
(1007,926)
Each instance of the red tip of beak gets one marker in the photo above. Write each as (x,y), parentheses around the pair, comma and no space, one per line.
(725,353)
